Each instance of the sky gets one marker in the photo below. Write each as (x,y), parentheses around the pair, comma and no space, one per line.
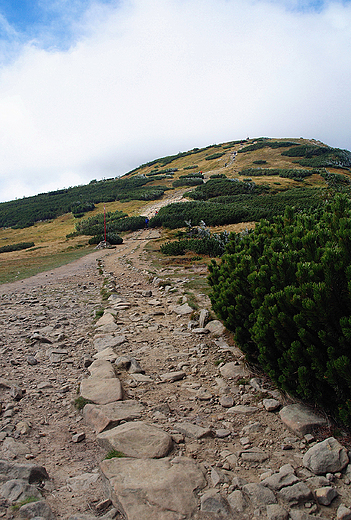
(91,89)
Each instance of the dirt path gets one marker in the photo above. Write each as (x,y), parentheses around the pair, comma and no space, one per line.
(50,318)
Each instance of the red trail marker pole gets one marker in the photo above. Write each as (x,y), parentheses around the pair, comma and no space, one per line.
(105,221)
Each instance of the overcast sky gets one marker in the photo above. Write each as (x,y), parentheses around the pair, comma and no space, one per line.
(93,89)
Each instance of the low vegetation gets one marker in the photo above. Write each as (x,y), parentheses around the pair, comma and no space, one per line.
(283,290)
(16,247)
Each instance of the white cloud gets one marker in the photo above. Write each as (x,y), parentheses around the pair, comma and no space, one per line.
(152,77)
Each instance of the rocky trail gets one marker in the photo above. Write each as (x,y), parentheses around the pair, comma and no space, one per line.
(191,432)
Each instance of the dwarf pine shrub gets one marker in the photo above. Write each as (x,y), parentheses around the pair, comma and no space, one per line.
(284,289)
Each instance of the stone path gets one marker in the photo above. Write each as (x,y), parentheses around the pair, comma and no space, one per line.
(192,433)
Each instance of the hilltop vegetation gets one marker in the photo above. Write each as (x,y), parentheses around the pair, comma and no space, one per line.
(277,158)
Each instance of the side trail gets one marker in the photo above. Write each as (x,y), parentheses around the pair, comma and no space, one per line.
(189,432)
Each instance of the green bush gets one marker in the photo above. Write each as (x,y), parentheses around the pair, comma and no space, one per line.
(16,247)
(214,156)
(320,156)
(231,209)
(284,289)
(211,246)
(187,181)
(281,172)
(111,238)
(263,143)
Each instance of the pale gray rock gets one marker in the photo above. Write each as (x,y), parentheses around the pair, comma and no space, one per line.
(242,409)
(101,369)
(123,362)
(254,455)
(203,394)
(213,502)
(198,330)
(233,371)
(317,482)
(101,391)
(112,414)
(110,328)
(101,342)
(29,472)
(226,401)
(171,377)
(296,494)
(16,490)
(222,433)
(271,405)
(154,489)
(300,419)
(259,495)
(142,378)
(36,509)
(183,309)
(285,477)
(193,430)
(82,482)
(203,318)
(237,501)
(134,367)
(325,495)
(328,456)
(216,327)
(108,354)
(11,448)
(219,476)
(105,319)
(343,513)
(276,512)
(137,439)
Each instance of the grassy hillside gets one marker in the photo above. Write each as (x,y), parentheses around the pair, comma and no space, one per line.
(47,219)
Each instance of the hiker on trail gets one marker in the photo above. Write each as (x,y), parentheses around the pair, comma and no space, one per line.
(146,222)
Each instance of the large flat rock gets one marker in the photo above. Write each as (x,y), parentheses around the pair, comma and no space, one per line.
(137,439)
(103,341)
(105,319)
(102,369)
(153,489)
(300,419)
(235,371)
(99,417)
(101,391)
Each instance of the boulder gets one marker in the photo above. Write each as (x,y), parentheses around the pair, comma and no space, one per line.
(137,439)
(300,419)
(328,456)
(154,489)
(101,391)
(110,415)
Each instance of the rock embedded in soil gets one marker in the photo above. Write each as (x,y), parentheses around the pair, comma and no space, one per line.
(101,391)
(137,439)
(154,489)
(328,456)
(300,419)
(110,415)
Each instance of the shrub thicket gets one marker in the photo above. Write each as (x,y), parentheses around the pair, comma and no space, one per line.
(16,247)
(320,156)
(116,221)
(285,291)
(281,172)
(111,238)
(214,156)
(187,181)
(231,209)
(263,143)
